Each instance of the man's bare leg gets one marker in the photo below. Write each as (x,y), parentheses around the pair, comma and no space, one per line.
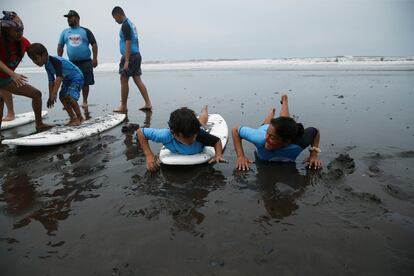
(85,94)
(144,92)
(124,95)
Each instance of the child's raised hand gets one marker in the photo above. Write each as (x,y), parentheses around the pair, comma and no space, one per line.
(153,163)
(242,163)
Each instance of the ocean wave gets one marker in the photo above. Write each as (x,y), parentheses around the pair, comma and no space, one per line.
(320,63)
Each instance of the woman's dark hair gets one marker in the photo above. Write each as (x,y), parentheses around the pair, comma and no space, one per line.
(184,121)
(287,129)
(5,40)
(36,49)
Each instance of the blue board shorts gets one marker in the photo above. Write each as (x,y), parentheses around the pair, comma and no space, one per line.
(71,89)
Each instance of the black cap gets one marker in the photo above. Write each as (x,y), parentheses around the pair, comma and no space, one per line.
(72,13)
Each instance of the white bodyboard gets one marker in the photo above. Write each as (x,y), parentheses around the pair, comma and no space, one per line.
(65,134)
(216,126)
(21,119)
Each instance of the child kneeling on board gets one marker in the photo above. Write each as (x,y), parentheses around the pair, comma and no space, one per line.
(185,135)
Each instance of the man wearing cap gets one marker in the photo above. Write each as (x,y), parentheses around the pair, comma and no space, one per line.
(77,40)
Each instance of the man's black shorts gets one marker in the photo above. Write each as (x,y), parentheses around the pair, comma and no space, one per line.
(134,66)
(87,70)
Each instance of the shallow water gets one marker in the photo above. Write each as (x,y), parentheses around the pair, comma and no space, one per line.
(90,207)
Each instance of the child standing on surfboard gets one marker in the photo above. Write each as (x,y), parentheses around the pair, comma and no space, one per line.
(185,135)
(278,139)
(69,79)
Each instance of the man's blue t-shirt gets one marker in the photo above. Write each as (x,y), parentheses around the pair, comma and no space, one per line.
(77,41)
(128,32)
(165,137)
(258,138)
(61,67)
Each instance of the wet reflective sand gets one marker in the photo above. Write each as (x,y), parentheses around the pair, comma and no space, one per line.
(90,207)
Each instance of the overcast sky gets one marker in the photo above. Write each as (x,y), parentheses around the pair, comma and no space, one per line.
(213,29)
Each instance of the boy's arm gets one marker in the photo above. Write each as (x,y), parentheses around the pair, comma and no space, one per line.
(152,161)
(218,148)
(242,163)
(127,53)
(20,80)
(53,90)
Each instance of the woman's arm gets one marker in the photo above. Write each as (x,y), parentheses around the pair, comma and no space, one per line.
(20,80)
(242,163)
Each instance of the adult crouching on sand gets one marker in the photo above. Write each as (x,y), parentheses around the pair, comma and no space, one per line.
(130,64)
(278,139)
(12,49)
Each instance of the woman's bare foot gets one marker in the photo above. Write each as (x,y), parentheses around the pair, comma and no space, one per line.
(74,122)
(9,117)
(43,127)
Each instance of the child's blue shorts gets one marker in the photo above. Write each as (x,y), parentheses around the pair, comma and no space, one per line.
(71,89)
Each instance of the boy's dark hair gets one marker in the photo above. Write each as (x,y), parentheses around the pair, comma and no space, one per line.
(117,11)
(287,129)
(36,49)
(184,121)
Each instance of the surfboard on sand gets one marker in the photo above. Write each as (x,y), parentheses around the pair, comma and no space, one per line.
(21,119)
(217,126)
(65,134)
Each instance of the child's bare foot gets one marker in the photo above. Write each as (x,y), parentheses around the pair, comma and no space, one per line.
(74,122)
(81,119)
(43,127)
(9,117)
(146,108)
(121,110)
(204,109)
(284,98)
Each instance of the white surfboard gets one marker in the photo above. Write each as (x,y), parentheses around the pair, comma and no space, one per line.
(216,126)
(65,134)
(21,119)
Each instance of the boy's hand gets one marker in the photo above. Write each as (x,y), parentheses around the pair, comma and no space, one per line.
(217,159)
(242,163)
(20,80)
(153,163)
(51,101)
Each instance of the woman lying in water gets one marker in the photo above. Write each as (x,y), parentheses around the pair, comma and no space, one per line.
(278,139)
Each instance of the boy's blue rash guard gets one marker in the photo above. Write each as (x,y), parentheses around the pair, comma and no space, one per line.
(165,137)
(77,40)
(128,32)
(61,67)
(286,154)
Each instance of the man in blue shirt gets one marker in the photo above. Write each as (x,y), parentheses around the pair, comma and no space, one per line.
(77,40)
(130,64)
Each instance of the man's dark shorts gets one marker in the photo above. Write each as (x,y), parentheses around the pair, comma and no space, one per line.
(87,70)
(134,67)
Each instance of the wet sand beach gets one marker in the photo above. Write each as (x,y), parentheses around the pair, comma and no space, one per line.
(91,208)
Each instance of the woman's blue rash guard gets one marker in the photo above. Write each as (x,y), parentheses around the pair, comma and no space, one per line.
(286,154)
